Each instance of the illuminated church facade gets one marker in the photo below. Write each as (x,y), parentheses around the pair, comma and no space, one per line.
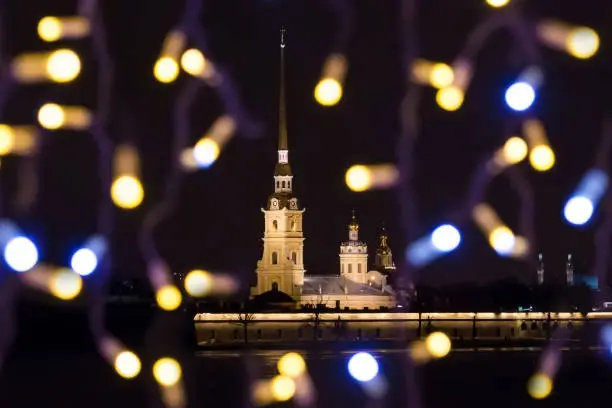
(281,268)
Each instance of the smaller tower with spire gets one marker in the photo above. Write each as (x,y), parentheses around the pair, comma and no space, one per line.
(354,255)
(383,261)
(540,269)
(569,271)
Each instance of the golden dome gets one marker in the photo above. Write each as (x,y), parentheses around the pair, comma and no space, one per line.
(354,226)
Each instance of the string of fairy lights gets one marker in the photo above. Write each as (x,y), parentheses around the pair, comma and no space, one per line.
(185,50)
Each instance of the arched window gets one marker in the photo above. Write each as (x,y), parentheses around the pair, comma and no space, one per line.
(293,225)
(358,268)
(350,268)
(275,286)
(288,184)
(274,258)
(283,183)
(294,257)
(274,225)
(277,184)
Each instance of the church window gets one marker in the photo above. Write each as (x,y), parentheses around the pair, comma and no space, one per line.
(342,268)
(277,184)
(288,184)
(293,225)
(275,286)
(294,257)
(350,268)
(274,225)
(283,183)
(358,268)
(274,258)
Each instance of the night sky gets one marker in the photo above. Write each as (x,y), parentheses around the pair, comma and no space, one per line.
(218,224)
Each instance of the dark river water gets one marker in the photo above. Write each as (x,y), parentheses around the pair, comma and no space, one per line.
(219,379)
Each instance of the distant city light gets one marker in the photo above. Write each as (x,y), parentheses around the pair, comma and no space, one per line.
(520,96)
(363,367)
(20,254)
(446,238)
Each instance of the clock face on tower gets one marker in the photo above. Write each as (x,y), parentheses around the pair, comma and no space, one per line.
(274,203)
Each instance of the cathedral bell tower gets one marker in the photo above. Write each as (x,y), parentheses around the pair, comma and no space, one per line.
(282,264)
(383,261)
(354,255)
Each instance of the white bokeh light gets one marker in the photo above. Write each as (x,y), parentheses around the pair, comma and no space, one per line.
(445,238)
(84,261)
(363,367)
(20,254)
(503,241)
(520,96)
(578,210)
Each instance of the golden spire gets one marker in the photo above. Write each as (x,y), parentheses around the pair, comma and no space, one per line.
(282,116)
(354,226)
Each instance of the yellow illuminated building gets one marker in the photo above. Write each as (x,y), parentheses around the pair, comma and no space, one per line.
(281,268)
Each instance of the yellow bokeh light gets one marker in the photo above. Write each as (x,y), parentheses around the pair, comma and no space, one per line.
(169,297)
(359,178)
(450,98)
(65,284)
(498,3)
(193,62)
(166,70)
(7,139)
(167,371)
(51,116)
(438,344)
(291,365)
(198,283)
(441,75)
(127,364)
(582,42)
(63,66)
(282,387)
(49,29)
(127,192)
(206,151)
(542,158)
(500,237)
(515,150)
(539,386)
(328,92)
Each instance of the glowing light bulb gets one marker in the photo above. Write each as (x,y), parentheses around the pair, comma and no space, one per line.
(7,139)
(127,364)
(520,96)
(167,371)
(283,388)
(445,238)
(450,98)
(438,344)
(51,116)
(206,152)
(169,297)
(328,92)
(20,254)
(578,210)
(193,62)
(198,283)
(291,365)
(84,261)
(539,386)
(497,3)
(50,29)
(127,192)
(65,284)
(502,240)
(542,158)
(582,42)
(515,150)
(358,178)
(166,70)
(363,367)
(63,66)
(441,75)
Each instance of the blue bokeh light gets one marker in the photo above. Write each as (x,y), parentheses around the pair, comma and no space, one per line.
(20,254)
(520,96)
(363,367)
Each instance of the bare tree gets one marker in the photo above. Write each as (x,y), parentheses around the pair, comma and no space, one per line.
(244,319)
